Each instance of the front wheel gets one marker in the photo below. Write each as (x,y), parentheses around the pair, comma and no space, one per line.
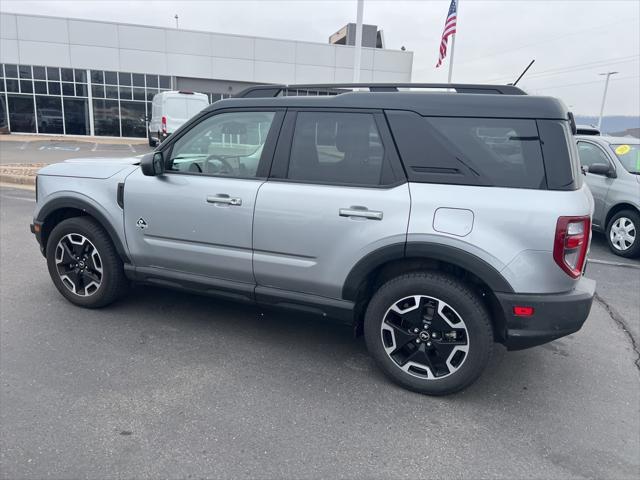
(428,332)
(84,264)
(622,234)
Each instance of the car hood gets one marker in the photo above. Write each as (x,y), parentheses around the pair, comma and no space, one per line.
(89,167)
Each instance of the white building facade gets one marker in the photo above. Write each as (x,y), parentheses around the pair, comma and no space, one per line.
(82,77)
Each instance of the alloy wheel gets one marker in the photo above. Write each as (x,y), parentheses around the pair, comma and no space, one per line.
(622,234)
(78,264)
(425,337)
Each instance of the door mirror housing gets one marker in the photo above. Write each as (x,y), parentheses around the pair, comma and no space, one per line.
(152,164)
(602,169)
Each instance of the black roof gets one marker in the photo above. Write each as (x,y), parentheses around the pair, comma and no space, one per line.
(423,103)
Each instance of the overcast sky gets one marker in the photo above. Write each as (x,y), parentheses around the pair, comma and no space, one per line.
(571,40)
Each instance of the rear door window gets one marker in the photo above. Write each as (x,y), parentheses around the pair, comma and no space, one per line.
(337,148)
(498,152)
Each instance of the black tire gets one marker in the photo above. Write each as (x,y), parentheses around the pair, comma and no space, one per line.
(113,282)
(634,249)
(451,292)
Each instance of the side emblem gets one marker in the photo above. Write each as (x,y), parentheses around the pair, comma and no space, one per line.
(141,224)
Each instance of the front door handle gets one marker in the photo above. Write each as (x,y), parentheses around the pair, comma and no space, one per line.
(224,199)
(362,212)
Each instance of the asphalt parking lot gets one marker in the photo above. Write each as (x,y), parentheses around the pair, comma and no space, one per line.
(23,150)
(166,385)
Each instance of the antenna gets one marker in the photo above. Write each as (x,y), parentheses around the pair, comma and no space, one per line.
(525,71)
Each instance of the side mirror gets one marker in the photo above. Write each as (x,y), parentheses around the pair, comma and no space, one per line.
(152,164)
(602,169)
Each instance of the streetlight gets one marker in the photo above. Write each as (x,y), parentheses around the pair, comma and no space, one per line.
(604,96)
(176,17)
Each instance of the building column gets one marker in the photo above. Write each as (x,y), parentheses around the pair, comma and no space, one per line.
(90,101)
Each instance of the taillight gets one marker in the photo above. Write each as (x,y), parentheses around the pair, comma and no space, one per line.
(164,124)
(571,244)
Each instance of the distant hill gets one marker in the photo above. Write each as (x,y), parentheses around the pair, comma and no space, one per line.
(611,124)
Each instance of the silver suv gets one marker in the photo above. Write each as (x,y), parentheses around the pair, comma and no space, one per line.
(434,223)
(612,169)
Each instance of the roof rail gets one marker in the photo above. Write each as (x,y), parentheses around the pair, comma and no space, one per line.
(338,88)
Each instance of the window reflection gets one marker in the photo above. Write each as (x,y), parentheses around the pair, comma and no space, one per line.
(21,115)
(105,118)
(49,111)
(76,116)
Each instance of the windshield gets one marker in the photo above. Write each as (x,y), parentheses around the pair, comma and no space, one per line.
(629,156)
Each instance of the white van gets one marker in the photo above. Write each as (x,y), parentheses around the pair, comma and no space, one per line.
(170,110)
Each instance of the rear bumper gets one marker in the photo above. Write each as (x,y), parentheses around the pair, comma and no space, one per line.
(555,315)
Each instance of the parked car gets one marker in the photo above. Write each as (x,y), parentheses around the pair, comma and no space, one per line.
(170,110)
(612,169)
(434,223)
(587,130)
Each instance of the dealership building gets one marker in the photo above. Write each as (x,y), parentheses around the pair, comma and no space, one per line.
(82,77)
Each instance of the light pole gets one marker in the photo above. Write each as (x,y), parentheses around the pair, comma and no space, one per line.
(176,17)
(604,96)
(357,60)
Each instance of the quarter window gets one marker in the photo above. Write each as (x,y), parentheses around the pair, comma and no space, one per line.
(228,144)
(343,148)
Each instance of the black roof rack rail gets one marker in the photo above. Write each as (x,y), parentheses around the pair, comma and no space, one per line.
(262,91)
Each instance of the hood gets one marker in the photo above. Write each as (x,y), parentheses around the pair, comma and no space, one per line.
(89,167)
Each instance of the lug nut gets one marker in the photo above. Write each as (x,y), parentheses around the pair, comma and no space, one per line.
(416,330)
(428,344)
(417,340)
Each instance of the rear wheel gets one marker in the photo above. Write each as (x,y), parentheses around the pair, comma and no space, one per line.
(428,332)
(622,234)
(84,264)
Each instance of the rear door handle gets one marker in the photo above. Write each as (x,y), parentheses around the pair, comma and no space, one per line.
(224,199)
(362,212)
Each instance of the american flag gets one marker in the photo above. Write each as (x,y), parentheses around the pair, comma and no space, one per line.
(449,29)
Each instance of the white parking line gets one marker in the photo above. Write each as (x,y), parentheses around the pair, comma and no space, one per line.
(613,264)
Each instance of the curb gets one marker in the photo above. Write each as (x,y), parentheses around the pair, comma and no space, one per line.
(18,179)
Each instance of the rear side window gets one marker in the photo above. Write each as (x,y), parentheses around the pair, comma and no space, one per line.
(498,152)
(336,148)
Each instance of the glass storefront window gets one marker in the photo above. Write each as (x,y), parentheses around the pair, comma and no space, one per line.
(165,82)
(26,86)
(67,74)
(81,76)
(40,87)
(97,91)
(133,119)
(11,71)
(54,88)
(125,93)
(97,76)
(138,80)
(21,115)
(124,78)
(67,89)
(49,111)
(12,85)
(39,73)
(138,94)
(76,116)
(150,93)
(110,78)
(81,89)
(105,118)
(53,73)
(25,71)
(111,92)
(152,81)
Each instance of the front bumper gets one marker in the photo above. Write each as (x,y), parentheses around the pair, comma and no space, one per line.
(555,315)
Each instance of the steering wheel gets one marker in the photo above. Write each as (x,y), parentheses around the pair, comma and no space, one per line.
(221,159)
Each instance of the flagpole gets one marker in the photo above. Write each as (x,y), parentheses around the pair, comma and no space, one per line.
(453,48)
(453,43)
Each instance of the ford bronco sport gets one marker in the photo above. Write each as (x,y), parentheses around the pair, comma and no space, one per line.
(436,223)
